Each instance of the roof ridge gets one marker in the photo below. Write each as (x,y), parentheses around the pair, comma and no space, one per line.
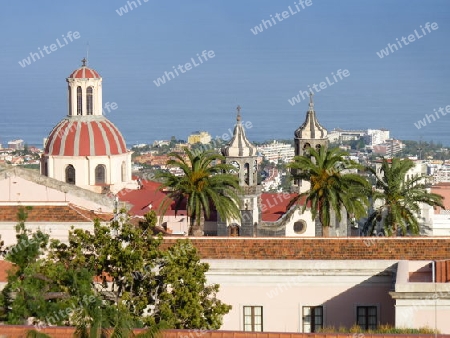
(72,206)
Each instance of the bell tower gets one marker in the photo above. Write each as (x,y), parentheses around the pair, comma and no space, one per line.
(85,92)
(309,134)
(242,154)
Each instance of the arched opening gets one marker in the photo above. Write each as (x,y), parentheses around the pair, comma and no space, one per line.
(233,230)
(318,146)
(79,101)
(89,101)
(70,102)
(70,174)
(247,173)
(124,171)
(45,168)
(100,174)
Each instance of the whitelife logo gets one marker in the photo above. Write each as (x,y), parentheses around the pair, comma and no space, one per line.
(280,17)
(187,66)
(49,49)
(341,74)
(129,5)
(411,38)
(431,118)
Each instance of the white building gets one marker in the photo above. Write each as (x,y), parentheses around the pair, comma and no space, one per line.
(377,136)
(339,135)
(276,151)
(16,144)
(85,148)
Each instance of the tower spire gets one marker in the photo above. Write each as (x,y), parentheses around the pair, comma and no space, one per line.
(311,102)
(238,117)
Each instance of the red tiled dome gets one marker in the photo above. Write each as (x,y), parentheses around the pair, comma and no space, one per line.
(84,73)
(85,136)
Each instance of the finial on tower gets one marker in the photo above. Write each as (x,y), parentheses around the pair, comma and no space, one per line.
(83,62)
(311,102)
(238,118)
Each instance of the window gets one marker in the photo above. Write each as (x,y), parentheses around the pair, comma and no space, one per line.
(247,173)
(312,318)
(253,318)
(89,101)
(233,230)
(300,227)
(79,101)
(366,317)
(100,174)
(70,174)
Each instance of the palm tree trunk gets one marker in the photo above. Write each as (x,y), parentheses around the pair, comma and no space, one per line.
(198,226)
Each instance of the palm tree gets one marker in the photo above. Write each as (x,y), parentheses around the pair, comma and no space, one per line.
(331,187)
(400,196)
(206,183)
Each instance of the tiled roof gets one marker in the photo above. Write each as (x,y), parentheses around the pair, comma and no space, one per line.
(319,248)
(85,136)
(52,213)
(141,199)
(274,206)
(84,73)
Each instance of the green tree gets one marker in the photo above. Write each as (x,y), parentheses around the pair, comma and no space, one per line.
(135,282)
(136,279)
(206,183)
(187,300)
(331,186)
(400,196)
(115,252)
(45,290)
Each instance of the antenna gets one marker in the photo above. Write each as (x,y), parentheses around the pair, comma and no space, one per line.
(87,53)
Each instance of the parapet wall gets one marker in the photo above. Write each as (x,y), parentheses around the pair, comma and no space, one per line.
(351,248)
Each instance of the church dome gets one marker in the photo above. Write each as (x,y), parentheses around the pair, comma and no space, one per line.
(85,136)
(84,73)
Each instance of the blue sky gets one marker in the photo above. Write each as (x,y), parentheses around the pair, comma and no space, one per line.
(259,72)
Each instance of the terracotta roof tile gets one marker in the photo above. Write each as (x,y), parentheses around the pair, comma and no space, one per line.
(52,213)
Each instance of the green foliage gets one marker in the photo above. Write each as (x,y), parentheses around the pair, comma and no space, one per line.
(137,284)
(206,183)
(401,196)
(331,187)
(187,302)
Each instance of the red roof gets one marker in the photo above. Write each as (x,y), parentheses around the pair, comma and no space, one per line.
(274,206)
(142,198)
(53,213)
(85,136)
(84,73)
(150,194)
